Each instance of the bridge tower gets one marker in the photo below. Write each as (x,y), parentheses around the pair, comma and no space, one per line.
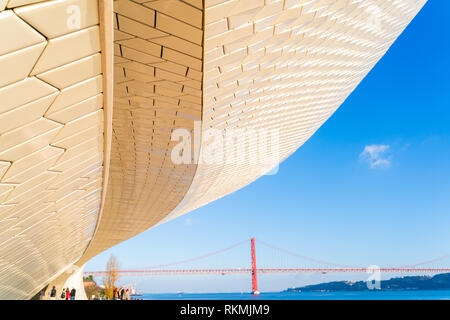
(254,277)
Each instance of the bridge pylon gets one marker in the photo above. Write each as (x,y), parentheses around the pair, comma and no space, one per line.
(254,276)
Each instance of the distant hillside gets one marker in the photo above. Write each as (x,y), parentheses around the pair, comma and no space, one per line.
(437,282)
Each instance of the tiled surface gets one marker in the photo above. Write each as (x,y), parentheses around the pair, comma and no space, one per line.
(157,89)
(15,33)
(51,140)
(53,18)
(284,65)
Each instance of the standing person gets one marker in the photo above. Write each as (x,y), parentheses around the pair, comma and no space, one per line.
(63,294)
(127,295)
(53,293)
(67,294)
(72,294)
(122,290)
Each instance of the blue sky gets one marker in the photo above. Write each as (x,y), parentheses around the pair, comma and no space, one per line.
(370,187)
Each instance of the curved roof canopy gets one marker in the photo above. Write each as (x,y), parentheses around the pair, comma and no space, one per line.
(116,116)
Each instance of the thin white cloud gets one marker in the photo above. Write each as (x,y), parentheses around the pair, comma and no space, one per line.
(376,156)
(405,146)
(188,222)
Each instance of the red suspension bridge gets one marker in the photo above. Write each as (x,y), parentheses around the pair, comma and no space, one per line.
(333,268)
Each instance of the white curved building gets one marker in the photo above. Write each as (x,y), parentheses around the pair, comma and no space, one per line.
(96,98)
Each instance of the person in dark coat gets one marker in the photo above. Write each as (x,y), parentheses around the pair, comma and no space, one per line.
(72,294)
(53,293)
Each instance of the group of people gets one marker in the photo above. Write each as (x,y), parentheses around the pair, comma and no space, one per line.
(121,294)
(66,294)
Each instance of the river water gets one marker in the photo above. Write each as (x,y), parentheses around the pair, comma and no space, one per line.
(362,295)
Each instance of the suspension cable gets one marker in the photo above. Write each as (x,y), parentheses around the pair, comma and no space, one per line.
(199,257)
(301,256)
